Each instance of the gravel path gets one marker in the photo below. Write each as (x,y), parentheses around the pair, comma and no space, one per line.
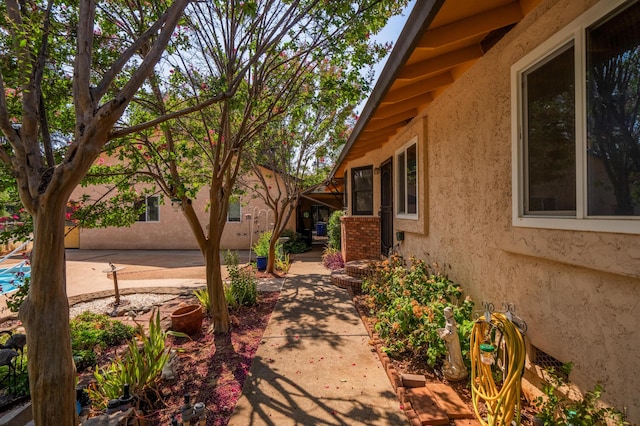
(136,302)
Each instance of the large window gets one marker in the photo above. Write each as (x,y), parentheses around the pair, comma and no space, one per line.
(407,180)
(577,125)
(362,190)
(151,211)
(233,211)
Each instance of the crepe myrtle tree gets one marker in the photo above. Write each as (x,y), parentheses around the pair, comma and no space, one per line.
(67,68)
(268,50)
(287,156)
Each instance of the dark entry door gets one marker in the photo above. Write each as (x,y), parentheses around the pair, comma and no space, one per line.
(386,207)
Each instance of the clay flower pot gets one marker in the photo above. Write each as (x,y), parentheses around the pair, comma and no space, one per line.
(187,319)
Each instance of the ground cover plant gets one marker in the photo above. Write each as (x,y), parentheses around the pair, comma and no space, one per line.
(555,409)
(408,305)
(92,333)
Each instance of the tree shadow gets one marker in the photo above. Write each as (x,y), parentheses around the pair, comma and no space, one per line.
(284,396)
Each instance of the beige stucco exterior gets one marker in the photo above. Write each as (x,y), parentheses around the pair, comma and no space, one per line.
(579,292)
(172,232)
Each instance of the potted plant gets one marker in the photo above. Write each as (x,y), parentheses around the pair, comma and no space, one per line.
(261,249)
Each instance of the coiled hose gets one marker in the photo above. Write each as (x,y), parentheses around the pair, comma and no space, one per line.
(502,403)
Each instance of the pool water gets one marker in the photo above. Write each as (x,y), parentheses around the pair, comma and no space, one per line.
(12,277)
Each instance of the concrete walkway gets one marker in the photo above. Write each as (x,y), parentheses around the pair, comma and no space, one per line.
(315,365)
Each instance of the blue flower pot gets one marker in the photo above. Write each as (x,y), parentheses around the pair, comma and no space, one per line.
(261,263)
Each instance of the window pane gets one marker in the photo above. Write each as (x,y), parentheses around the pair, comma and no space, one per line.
(613,115)
(362,190)
(233,212)
(412,183)
(550,135)
(402,194)
(153,209)
(139,205)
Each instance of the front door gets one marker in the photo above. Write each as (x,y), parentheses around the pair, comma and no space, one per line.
(386,207)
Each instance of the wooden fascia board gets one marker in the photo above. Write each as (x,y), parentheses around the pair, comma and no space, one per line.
(444,62)
(421,87)
(472,26)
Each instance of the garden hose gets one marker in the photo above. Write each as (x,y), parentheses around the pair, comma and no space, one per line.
(502,402)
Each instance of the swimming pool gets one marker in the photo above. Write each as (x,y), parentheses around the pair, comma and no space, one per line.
(12,277)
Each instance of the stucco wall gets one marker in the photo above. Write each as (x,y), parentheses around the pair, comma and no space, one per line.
(173,232)
(579,292)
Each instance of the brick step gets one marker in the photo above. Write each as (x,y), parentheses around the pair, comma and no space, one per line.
(341,279)
(438,404)
(359,268)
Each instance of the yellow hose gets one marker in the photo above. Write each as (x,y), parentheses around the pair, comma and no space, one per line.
(503,402)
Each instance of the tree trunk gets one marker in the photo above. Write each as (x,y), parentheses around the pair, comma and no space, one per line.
(45,314)
(271,260)
(215,288)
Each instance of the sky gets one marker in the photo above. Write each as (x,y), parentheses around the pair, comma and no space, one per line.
(389,33)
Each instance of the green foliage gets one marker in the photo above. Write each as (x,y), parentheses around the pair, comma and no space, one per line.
(283,263)
(17,385)
(557,410)
(90,332)
(261,247)
(203,297)
(243,287)
(409,305)
(295,243)
(140,366)
(334,233)
(15,300)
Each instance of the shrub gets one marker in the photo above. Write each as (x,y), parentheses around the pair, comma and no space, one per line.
(333,230)
(409,305)
(295,243)
(332,259)
(243,288)
(91,331)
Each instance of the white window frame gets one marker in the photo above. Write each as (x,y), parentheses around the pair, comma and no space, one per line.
(396,181)
(146,210)
(239,209)
(574,32)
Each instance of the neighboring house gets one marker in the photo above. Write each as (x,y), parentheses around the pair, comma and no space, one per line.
(162,226)
(502,141)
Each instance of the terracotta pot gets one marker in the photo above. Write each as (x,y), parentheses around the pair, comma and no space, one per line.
(187,319)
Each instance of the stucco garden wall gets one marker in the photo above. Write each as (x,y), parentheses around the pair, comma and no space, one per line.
(579,292)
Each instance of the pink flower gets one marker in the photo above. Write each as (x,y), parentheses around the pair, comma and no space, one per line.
(101,161)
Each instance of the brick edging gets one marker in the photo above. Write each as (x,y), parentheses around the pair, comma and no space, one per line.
(392,373)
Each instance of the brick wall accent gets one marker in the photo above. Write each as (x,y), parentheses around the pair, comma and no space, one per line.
(360,237)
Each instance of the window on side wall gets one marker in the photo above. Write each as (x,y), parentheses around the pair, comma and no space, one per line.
(151,211)
(576,117)
(407,181)
(233,211)
(362,191)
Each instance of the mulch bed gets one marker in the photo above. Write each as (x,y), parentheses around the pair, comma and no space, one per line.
(212,368)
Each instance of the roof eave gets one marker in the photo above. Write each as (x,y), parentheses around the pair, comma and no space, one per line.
(418,22)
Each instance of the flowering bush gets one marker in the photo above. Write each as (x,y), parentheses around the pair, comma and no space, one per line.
(409,303)
(332,259)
